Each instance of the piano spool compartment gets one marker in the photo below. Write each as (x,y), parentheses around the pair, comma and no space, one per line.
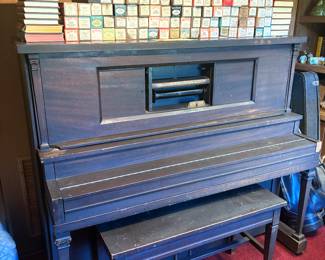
(179,87)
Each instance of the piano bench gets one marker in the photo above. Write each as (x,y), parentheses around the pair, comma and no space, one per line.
(176,230)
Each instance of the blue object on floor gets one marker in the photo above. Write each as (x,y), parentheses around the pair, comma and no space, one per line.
(305,101)
(8,250)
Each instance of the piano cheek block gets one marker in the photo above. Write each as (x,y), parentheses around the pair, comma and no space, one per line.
(128,128)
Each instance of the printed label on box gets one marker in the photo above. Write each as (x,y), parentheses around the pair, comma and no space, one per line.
(84,9)
(84,22)
(96,34)
(143,22)
(109,22)
(109,34)
(70,9)
(84,35)
(107,9)
(71,35)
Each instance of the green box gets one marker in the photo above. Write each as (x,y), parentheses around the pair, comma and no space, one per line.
(120,10)
(97,22)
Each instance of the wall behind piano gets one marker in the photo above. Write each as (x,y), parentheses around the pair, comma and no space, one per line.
(16,175)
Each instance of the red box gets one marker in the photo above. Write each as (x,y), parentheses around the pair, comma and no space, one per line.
(227,2)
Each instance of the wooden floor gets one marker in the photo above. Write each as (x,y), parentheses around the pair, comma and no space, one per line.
(315,251)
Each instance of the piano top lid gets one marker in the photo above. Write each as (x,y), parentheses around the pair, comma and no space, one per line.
(33,48)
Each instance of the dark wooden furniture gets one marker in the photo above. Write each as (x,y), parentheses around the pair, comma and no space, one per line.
(171,231)
(124,128)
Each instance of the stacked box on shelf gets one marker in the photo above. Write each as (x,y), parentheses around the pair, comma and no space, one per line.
(39,21)
(122,20)
(281,18)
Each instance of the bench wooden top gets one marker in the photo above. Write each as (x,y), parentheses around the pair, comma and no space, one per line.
(147,229)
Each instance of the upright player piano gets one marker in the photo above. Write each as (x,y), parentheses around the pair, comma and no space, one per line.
(123,128)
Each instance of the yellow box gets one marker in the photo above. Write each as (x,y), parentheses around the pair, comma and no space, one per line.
(174,33)
(109,34)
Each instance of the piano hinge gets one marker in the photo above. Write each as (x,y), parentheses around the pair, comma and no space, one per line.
(34,64)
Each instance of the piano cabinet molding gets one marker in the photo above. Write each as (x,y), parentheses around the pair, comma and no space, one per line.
(106,152)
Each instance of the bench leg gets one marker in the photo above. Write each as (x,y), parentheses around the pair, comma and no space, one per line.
(62,244)
(271,232)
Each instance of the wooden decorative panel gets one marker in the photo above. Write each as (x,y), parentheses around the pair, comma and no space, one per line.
(229,88)
(121,92)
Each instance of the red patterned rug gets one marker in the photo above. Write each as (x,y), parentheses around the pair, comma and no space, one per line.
(315,251)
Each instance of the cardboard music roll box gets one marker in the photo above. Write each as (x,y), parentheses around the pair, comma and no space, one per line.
(108,34)
(70,9)
(84,22)
(120,34)
(71,35)
(96,34)
(84,9)
(84,35)
(109,22)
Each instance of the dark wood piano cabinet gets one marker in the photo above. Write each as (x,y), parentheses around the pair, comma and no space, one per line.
(123,128)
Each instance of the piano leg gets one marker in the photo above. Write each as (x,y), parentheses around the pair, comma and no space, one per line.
(271,231)
(294,239)
(62,244)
